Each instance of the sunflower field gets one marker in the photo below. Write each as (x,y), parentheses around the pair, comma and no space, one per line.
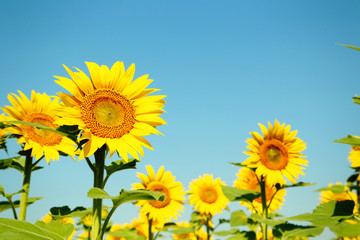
(107,115)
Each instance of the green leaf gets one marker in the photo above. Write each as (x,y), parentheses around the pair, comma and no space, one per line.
(226,232)
(13,162)
(6,205)
(288,231)
(58,227)
(234,194)
(243,235)
(127,234)
(181,230)
(299,184)
(346,229)
(354,141)
(11,229)
(62,130)
(334,189)
(349,46)
(2,191)
(327,214)
(356,99)
(126,196)
(120,165)
(270,222)
(238,218)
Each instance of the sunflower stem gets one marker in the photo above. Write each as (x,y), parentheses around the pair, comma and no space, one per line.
(207,227)
(12,207)
(264,226)
(26,185)
(98,183)
(150,232)
(107,219)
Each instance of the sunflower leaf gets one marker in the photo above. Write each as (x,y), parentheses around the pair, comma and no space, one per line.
(270,222)
(356,99)
(349,46)
(58,130)
(226,232)
(289,231)
(238,218)
(120,165)
(354,141)
(349,229)
(126,234)
(11,229)
(234,194)
(246,235)
(299,184)
(4,205)
(13,162)
(334,189)
(327,214)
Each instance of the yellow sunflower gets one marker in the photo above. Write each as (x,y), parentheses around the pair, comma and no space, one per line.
(41,109)
(276,155)
(354,156)
(246,179)
(49,218)
(189,236)
(328,195)
(206,195)
(162,182)
(111,109)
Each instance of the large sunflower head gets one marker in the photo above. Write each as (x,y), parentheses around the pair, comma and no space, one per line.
(111,109)
(162,182)
(41,109)
(247,180)
(277,154)
(206,195)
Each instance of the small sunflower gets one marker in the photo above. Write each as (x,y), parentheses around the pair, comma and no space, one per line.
(111,109)
(276,155)
(41,109)
(206,195)
(246,179)
(328,195)
(162,182)
(354,156)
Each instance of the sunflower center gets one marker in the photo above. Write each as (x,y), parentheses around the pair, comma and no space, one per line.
(42,136)
(208,195)
(107,113)
(274,155)
(159,188)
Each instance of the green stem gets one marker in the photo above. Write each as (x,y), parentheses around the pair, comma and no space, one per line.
(103,229)
(12,207)
(150,231)
(264,226)
(100,155)
(207,227)
(26,185)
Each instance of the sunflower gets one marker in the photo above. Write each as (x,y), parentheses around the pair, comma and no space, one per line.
(354,156)
(189,235)
(276,155)
(328,195)
(246,179)
(41,109)
(162,182)
(206,195)
(70,220)
(111,109)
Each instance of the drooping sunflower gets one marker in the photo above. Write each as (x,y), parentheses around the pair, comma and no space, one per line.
(354,156)
(206,195)
(246,179)
(111,109)
(162,182)
(41,109)
(277,154)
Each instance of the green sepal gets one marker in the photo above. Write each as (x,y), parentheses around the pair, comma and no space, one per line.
(4,205)
(234,194)
(349,140)
(290,231)
(11,229)
(126,196)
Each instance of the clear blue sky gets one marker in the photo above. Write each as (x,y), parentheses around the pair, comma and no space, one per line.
(225,66)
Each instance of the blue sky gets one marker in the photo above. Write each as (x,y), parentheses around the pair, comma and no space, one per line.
(225,66)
